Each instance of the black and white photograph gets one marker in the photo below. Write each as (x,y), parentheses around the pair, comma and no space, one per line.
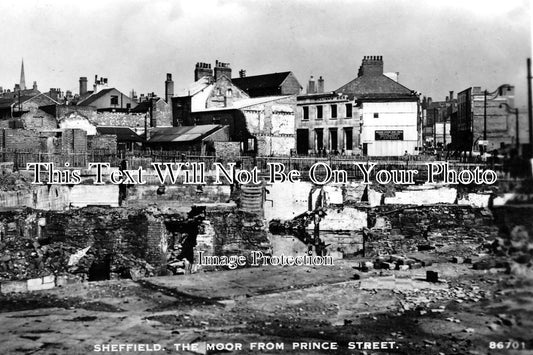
(266,177)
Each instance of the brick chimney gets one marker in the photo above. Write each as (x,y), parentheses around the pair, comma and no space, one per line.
(371,65)
(83,85)
(201,70)
(169,88)
(320,86)
(311,87)
(242,73)
(222,69)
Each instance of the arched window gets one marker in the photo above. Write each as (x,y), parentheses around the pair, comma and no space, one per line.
(229,93)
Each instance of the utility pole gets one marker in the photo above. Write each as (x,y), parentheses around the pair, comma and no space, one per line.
(484,121)
(530,114)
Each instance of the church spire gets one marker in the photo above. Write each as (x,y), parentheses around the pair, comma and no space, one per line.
(22,84)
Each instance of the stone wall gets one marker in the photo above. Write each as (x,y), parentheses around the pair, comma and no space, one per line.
(38,120)
(107,142)
(120,119)
(227,149)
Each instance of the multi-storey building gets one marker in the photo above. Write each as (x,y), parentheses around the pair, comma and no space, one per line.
(482,122)
(325,122)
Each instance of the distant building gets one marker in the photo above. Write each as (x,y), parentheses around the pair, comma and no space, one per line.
(102,97)
(17,106)
(388,111)
(437,117)
(258,126)
(468,129)
(326,122)
(158,111)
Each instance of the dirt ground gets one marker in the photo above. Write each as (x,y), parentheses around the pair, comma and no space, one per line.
(467,312)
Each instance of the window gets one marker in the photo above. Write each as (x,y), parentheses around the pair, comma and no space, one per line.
(114,100)
(251,144)
(348,138)
(333,111)
(229,93)
(319,139)
(319,112)
(376,115)
(348,110)
(306,112)
(333,142)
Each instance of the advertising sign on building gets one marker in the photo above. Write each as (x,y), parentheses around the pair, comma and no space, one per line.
(389,135)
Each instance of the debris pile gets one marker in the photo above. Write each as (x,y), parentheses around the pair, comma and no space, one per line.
(513,252)
(14,181)
(443,229)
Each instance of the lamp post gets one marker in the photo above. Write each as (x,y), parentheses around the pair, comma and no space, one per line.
(494,94)
(515,111)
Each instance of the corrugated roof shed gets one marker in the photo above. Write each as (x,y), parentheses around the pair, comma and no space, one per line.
(124,134)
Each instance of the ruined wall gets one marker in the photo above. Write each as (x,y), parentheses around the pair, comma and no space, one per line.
(76,120)
(273,125)
(181,197)
(38,120)
(106,242)
(400,229)
(231,232)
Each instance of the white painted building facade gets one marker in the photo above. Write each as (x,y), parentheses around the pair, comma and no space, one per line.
(389,128)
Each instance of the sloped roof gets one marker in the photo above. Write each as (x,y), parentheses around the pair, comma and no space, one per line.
(124,134)
(375,87)
(7,102)
(181,134)
(273,80)
(142,107)
(92,98)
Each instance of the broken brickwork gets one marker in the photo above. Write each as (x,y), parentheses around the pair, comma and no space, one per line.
(108,242)
(401,229)
(228,231)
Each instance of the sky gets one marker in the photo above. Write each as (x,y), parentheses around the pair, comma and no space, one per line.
(437,46)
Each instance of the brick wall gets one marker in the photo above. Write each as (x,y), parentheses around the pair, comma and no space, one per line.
(19,139)
(74,141)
